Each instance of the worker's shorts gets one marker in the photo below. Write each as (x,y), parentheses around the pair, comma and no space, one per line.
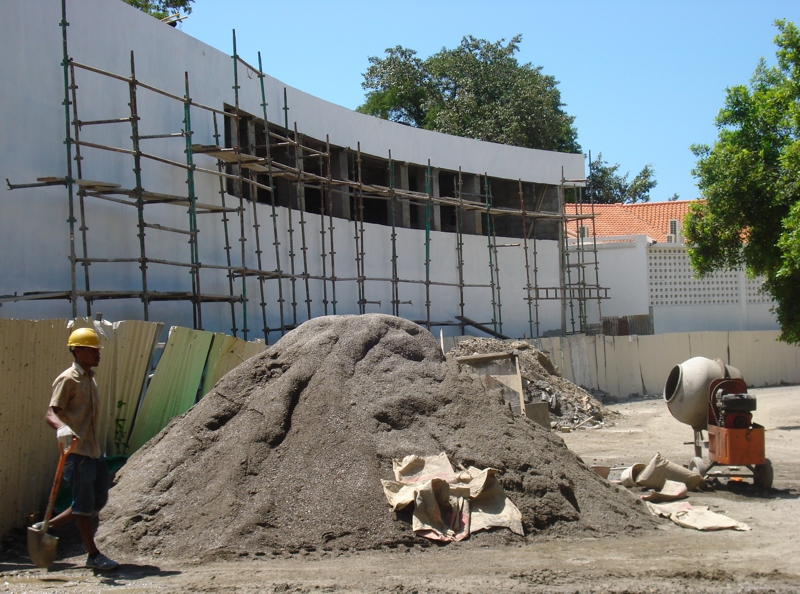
(89,480)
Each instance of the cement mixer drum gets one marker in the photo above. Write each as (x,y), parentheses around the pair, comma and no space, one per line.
(686,390)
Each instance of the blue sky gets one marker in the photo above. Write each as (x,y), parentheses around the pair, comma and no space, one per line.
(643,79)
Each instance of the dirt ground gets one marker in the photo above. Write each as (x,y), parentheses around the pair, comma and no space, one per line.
(669,559)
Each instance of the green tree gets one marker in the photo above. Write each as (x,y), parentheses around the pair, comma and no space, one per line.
(750,179)
(477,90)
(609,187)
(161,9)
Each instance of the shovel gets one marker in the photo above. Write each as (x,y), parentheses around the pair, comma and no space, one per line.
(41,545)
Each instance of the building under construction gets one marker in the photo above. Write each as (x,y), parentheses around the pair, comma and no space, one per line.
(200,191)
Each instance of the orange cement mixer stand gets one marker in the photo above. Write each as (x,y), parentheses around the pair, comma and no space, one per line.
(733,447)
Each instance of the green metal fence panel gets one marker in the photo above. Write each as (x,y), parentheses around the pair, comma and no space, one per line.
(226,354)
(175,383)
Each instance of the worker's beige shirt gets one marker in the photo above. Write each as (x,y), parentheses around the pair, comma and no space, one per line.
(75,394)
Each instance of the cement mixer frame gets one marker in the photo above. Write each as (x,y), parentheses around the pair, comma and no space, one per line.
(711,396)
(731,447)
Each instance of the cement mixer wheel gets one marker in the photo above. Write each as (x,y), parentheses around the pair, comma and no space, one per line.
(763,475)
(698,465)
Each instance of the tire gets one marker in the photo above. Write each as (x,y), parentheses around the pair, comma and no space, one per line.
(698,465)
(763,475)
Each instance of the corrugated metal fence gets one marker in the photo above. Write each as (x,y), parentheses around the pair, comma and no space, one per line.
(34,352)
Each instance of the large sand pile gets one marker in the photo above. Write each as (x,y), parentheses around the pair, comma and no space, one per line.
(287,451)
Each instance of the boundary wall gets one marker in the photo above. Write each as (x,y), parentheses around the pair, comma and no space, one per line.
(627,365)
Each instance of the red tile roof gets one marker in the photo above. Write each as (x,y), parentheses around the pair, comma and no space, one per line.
(645,218)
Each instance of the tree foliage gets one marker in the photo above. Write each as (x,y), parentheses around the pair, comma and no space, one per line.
(608,186)
(161,9)
(477,90)
(750,179)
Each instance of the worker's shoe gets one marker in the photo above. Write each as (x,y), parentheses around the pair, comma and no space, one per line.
(101,563)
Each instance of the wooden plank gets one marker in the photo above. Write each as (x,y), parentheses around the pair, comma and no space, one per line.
(471,359)
(520,389)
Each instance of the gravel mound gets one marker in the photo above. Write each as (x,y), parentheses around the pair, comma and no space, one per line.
(569,405)
(286,453)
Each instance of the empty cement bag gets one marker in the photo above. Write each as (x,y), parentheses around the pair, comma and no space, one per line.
(630,474)
(660,470)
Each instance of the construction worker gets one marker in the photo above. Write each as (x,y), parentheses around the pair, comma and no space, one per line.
(74,412)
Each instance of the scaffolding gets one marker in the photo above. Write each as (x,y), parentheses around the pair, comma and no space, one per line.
(331,184)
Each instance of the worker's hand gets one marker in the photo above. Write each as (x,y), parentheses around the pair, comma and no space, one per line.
(65,436)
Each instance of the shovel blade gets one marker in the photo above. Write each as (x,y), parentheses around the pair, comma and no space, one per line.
(42,547)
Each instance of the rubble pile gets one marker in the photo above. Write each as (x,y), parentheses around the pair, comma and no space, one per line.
(569,405)
(286,454)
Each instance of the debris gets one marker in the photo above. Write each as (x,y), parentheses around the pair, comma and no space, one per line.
(286,453)
(630,474)
(569,404)
(706,520)
(660,470)
(448,506)
(697,517)
(671,491)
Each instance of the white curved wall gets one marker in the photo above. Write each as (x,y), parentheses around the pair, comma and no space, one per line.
(34,235)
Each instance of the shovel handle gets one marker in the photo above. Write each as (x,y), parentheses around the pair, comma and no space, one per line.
(57,482)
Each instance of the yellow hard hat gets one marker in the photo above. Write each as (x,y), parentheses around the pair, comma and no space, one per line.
(84,337)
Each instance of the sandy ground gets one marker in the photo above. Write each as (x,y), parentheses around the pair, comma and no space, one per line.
(670,559)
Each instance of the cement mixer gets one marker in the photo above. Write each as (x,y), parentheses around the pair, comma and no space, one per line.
(708,395)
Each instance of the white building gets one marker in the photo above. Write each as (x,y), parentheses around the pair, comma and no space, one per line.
(145,220)
(645,263)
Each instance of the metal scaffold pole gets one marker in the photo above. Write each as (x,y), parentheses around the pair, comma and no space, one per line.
(594,247)
(331,228)
(81,193)
(561,258)
(324,196)
(254,202)
(238,185)
(195,258)
(393,198)
(428,204)
(137,170)
(225,221)
(273,211)
(460,249)
(290,226)
(301,207)
(487,196)
(359,227)
(527,262)
(68,144)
